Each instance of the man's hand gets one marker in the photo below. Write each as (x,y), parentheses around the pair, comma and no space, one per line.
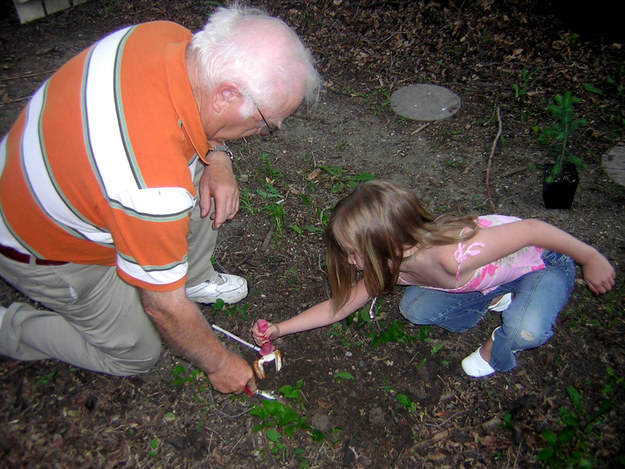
(218,183)
(180,323)
(233,376)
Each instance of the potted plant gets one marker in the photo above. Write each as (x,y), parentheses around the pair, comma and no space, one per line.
(561,177)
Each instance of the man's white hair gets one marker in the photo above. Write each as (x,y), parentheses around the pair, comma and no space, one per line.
(258,52)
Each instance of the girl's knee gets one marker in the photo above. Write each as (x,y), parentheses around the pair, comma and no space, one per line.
(527,339)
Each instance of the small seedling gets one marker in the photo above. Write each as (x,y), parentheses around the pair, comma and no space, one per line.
(520,90)
(282,421)
(182,375)
(153,447)
(394,333)
(571,446)
(342,182)
(377,99)
(275,210)
(405,401)
(245,200)
(267,166)
(240,309)
(46,379)
(343,375)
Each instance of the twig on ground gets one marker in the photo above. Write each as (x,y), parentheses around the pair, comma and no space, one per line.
(419,129)
(490,159)
(453,416)
(267,240)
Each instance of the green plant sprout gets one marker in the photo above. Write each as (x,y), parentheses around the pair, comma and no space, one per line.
(275,210)
(153,447)
(282,421)
(245,200)
(267,166)
(394,333)
(343,376)
(405,401)
(558,136)
(323,214)
(380,333)
(229,310)
(341,182)
(570,446)
(377,100)
(618,87)
(520,90)
(46,379)
(268,192)
(182,375)
(592,89)
(304,198)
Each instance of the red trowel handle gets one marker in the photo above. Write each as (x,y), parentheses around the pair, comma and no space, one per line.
(266,348)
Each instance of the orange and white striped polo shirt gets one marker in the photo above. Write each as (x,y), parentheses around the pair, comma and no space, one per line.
(97,169)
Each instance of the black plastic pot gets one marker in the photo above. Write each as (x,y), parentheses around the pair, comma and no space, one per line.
(560,192)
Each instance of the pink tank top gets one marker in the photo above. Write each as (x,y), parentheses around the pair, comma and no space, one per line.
(501,271)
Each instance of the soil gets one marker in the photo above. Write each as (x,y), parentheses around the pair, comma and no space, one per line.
(364,397)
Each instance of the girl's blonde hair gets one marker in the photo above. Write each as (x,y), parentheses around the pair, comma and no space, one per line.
(379,220)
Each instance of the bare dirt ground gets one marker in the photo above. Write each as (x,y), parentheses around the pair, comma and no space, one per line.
(359,396)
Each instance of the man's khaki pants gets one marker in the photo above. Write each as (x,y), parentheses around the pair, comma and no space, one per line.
(94,320)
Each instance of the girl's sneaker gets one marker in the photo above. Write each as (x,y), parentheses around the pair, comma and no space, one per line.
(474,365)
(502,304)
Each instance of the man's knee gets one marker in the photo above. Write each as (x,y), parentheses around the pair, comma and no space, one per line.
(137,357)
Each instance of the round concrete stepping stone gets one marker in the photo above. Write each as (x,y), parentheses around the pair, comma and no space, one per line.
(425,102)
(613,163)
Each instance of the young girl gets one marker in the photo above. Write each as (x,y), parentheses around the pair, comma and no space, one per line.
(456,269)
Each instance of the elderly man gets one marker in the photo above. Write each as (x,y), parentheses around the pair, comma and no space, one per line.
(100,180)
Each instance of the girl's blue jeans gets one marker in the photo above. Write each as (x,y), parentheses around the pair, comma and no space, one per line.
(537,298)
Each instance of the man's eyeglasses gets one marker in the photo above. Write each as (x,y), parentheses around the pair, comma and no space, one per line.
(268,129)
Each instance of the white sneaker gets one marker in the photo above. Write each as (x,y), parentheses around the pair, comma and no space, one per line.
(474,365)
(229,288)
(502,304)
(3,310)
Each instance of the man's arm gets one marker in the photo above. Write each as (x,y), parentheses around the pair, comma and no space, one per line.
(181,324)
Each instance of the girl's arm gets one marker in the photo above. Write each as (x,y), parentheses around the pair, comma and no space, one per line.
(502,240)
(316,316)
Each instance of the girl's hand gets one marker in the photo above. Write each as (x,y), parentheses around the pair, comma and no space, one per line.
(271,332)
(598,274)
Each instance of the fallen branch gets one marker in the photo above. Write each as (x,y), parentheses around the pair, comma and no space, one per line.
(421,127)
(490,160)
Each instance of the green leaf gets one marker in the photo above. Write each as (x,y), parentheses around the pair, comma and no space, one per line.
(567,434)
(436,348)
(550,437)
(406,402)
(343,375)
(317,435)
(273,435)
(592,89)
(546,454)
(575,399)
(289,391)
(296,228)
